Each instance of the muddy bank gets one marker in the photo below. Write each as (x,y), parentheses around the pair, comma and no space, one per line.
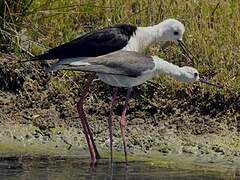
(40,109)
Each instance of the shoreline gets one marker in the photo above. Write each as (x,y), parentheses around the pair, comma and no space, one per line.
(19,143)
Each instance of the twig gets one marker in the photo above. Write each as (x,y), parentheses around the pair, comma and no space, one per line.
(69,144)
(212,14)
(214,10)
(27,6)
(9,11)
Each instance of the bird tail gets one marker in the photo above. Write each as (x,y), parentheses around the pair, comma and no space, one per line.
(60,64)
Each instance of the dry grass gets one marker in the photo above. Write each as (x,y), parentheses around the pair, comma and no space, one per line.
(212,29)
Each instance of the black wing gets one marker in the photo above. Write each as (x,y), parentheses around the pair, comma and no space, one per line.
(93,44)
(127,63)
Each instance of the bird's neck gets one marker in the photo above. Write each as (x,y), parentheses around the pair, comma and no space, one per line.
(167,68)
(143,38)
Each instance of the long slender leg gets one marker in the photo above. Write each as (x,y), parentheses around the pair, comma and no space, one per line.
(87,131)
(87,125)
(122,122)
(85,119)
(115,90)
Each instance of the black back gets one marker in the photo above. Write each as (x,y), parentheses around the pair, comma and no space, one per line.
(93,44)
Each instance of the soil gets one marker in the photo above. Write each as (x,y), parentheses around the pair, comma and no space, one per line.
(183,121)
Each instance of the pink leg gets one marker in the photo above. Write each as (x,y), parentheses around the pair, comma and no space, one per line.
(87,131)
(122,122)
(115,90)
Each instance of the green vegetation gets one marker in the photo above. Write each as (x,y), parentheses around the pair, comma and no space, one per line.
(11,21)
(212,29)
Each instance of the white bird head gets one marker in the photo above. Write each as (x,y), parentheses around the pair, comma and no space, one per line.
(189,74)
(171,30)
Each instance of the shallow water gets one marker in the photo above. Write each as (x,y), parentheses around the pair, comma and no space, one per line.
(59,168)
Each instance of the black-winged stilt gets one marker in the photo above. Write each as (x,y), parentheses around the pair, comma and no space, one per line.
(119,37)
(129,69)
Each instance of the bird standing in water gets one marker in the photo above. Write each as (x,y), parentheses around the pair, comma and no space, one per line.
(119,37)
(128,69)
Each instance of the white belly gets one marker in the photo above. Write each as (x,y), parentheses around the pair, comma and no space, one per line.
(124,81)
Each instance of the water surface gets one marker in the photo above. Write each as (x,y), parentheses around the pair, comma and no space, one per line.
(59,168)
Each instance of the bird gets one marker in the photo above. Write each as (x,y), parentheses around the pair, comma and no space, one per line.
(107,40)
(129,69)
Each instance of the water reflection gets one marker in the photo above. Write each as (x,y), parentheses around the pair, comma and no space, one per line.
(24,168)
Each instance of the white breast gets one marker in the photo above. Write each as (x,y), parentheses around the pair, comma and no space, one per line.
(133,44)
(141,40)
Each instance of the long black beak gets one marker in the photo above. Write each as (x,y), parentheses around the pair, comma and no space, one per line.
(186,52)
(203,80)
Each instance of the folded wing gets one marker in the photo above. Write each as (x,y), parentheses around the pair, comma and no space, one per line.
(92,44)
(126,63)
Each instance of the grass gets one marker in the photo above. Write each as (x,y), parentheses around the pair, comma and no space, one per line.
(212,30)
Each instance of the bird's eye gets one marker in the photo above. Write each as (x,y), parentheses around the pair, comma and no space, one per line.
(195,74)
(176,33)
